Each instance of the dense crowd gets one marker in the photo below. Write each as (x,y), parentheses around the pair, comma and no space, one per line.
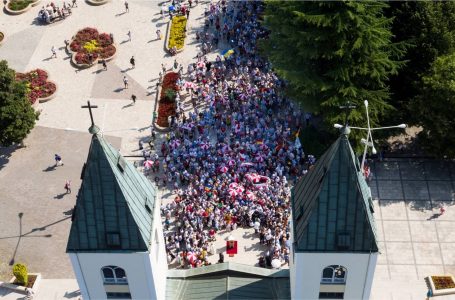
(231,158)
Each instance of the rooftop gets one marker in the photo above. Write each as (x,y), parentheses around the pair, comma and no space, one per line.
(332,205)
(114,206)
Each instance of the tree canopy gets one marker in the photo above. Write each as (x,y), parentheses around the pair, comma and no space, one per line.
(17,116)
(333,52)
(435,108)
(429,28)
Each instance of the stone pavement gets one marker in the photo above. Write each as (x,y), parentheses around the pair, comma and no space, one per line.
(415,240)
(35,210)
(49,289)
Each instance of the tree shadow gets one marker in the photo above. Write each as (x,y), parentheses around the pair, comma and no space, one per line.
(5,154)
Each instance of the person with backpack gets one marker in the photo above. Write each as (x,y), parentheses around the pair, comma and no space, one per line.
(58,160)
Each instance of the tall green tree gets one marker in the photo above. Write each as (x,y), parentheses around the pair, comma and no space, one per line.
(429,28)
(333,52)
(17,116)
(435,108)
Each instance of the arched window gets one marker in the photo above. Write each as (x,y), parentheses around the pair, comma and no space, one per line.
(334,274)
(114,275)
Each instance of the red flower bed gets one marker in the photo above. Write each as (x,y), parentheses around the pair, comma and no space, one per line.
(166,105)
(104,47)
(37,84)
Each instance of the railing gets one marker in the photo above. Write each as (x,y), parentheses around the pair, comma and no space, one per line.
(333,280)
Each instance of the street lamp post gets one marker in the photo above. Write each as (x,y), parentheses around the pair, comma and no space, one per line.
(368,142)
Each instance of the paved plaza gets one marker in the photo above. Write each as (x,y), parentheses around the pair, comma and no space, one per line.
(415,240)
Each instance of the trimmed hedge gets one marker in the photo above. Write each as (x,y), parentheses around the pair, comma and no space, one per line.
(19,4)
(177,33)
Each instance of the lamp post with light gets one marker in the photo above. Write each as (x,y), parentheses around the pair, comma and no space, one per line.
(368,142)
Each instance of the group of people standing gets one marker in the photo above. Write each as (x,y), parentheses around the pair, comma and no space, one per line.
(231,158)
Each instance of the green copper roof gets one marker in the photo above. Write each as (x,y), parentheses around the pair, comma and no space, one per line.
(332,206)
(228,281)
(114,206)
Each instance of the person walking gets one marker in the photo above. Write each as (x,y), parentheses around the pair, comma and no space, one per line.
(58,160)
(104,65)
(129,35)
(133,97)
(74,3)
(163,67)
(68,186)
(176,64)
(125,82)
(54,53)
(132,62)
(188,13)
(158,34)
(127,7)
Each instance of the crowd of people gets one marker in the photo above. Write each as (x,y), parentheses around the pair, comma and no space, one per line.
(230,160)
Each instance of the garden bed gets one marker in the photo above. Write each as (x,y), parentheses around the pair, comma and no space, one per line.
(97,2)
(33,283)
(166,103)
(442,285)
(176,33)
(17,7)
(88,46)
(39,88)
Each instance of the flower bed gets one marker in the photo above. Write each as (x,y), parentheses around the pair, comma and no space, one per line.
(88,45)
(177,32)
(16,7)
(166,104)
(38,86)
(442,285)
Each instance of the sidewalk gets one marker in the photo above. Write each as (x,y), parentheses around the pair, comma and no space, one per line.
(49,289)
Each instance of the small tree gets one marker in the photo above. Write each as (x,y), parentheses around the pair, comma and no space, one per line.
(17,116)
(20,271)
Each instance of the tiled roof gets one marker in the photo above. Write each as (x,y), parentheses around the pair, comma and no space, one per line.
(114,206)
(332,206)
(228,281)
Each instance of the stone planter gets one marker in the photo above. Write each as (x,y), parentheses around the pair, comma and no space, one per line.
(96,3)
(21,289)
(168,33)
(18,12)
(2,37)
(85,66)
(45,99)
(436,289)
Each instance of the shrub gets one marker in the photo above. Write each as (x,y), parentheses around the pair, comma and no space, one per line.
(177,33)
(20,271)
(18,4)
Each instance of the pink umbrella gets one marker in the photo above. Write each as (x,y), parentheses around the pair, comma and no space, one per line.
(231,162)
(148,163)
(240,189)
(233,185)
(252,176)
(200,64)
(205,145)
(232,192)
(250,195)
(191,257)
(223,169)
(174,143)
(188,84)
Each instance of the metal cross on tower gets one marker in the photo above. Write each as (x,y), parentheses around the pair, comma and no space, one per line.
(347,111)
(93,129)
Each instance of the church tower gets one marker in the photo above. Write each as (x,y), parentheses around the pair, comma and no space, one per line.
(335,247)
(116,245)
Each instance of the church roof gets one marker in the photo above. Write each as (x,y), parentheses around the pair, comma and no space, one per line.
(228,281)
(114,206)
(332,206)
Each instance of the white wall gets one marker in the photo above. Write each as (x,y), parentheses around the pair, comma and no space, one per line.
(306,272)
(141,286)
